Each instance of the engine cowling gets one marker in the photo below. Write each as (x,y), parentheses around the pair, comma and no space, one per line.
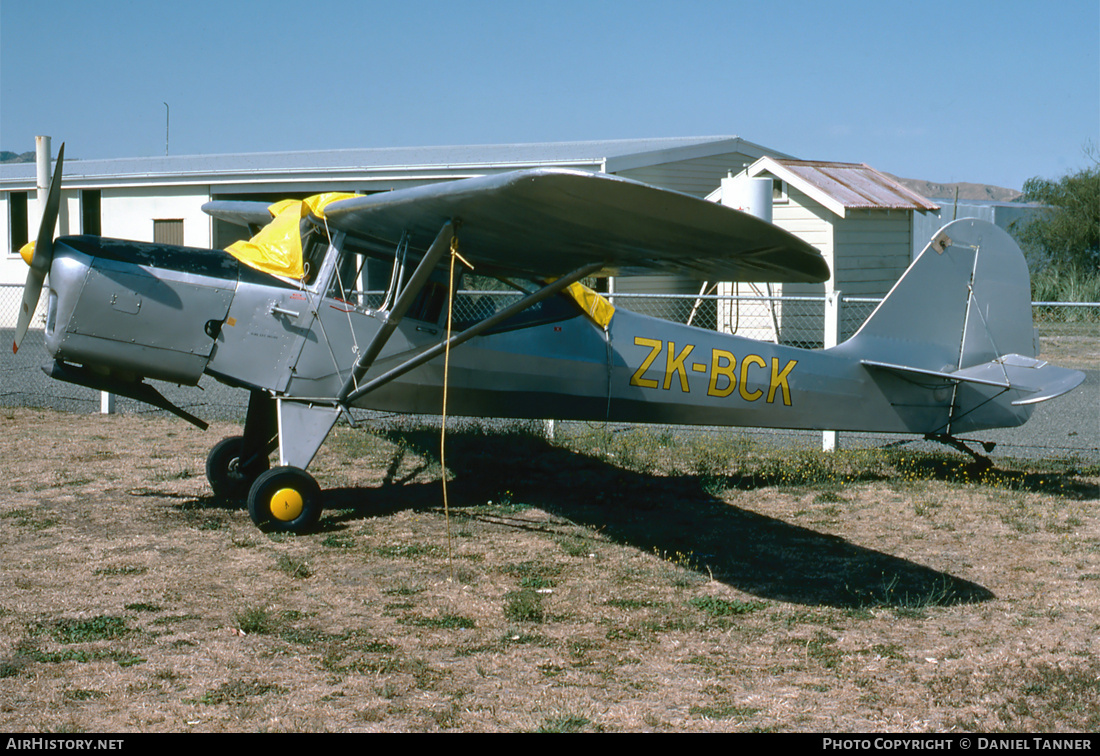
(136,310)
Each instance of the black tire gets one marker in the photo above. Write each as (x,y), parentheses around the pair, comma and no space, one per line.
(228,478)
(285,499)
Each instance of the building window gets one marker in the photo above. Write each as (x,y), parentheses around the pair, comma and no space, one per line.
(168,232)
(90,222)
(17,221)
(779,191)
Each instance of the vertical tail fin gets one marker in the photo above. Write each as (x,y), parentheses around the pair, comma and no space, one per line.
(964,301)
(958,324)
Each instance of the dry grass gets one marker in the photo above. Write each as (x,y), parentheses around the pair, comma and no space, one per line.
(1072,349)
(615,582)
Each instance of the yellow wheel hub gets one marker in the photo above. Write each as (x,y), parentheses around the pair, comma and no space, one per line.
(286,504)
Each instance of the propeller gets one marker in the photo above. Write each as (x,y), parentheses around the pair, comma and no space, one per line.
(43,254)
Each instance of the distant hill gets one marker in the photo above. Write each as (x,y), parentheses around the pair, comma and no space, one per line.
(967,191)
(13,157)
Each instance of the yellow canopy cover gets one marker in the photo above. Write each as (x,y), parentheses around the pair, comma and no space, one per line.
(598,309)
(277,247)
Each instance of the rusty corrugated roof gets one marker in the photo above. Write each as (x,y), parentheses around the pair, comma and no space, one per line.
(853,185)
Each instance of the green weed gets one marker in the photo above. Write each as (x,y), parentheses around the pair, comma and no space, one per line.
(236,692)
(564,723)
(889,651)
(631,604)
(728,711)
(167,475)
(822,648)
(256,620)
(83,694)
(296,568)
(905,600)
(575,547)
(30,518)
(829,496)
(143,607)
(82,656)
(71,631)
(175,619)
(524,606)
(445,622)
(122,570)
(717,607)
(337,541)
(682,559)
(534,574)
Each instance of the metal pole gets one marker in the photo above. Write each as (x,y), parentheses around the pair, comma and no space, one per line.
(830,439)
(167,114)
(42,162)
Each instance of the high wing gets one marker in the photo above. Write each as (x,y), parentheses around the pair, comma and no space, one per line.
(241,212)
(545,222)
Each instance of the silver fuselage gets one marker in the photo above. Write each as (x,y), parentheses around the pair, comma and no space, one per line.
(130,309)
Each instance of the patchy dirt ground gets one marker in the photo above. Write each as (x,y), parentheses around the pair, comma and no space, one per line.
(616,582)
(1072,350)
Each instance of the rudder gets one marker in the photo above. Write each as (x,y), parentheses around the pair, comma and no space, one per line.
(964,301)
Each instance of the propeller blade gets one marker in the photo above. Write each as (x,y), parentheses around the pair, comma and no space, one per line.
(43,254)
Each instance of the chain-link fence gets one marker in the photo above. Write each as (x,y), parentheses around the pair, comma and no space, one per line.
(795,321)
(1074,319)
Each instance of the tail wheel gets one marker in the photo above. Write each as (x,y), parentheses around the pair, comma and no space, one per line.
(285,499)
(229,473)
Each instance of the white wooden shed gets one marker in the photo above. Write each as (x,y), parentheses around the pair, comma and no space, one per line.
(861,220)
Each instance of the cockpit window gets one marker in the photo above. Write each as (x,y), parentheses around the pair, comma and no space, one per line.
(482,297)
(430,302)
(314,246)
(346,283)
(362,282)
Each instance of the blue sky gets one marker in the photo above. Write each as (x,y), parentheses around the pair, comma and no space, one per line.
(989,92)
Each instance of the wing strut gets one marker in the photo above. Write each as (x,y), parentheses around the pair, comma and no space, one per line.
(414,362)
(405,299)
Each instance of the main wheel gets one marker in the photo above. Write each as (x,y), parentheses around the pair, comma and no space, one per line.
(285,499)
(228,476)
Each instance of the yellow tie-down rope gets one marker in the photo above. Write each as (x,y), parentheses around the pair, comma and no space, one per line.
(446,370)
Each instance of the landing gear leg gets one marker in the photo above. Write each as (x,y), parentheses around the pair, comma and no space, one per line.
(235,462)
(287,498)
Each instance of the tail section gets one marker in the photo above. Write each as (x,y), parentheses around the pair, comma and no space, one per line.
(956,330)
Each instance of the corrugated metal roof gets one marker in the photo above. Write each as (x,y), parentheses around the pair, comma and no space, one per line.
(855,186)
(545,153)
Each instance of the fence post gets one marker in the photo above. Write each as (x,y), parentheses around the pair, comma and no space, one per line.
(830,439)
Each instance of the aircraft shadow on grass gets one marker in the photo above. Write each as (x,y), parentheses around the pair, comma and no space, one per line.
(760,555)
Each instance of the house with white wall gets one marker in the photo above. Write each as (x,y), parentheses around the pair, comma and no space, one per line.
(860,219)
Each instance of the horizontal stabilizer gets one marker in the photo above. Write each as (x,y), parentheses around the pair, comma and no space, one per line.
(1038,379)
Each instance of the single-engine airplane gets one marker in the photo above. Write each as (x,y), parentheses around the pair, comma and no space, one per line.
(950,350)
